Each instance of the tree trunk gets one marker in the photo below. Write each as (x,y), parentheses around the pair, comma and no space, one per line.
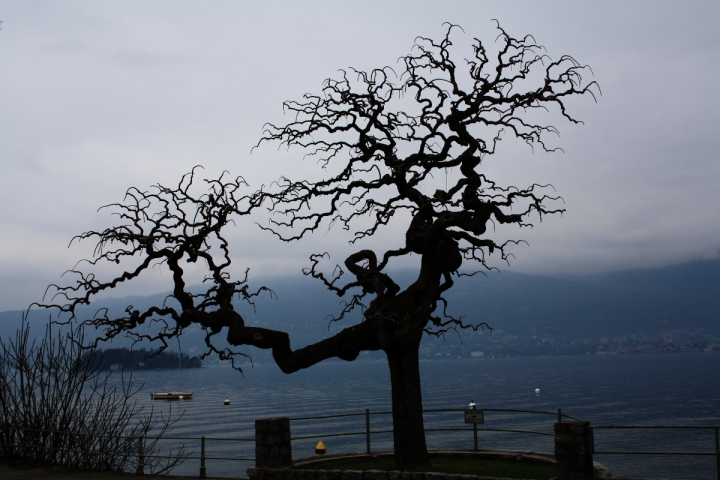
(408,428)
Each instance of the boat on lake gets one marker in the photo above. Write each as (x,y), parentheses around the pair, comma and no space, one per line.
(172,396)
(178,395)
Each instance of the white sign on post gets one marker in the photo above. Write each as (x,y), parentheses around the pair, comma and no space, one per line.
(474,416)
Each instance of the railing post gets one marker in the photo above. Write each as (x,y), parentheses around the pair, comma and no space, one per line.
(84,449)
(203,473)
(141,457)
(717,450)
(475,436)
(559,414)
(367,430)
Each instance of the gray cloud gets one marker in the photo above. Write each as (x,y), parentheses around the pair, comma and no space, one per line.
(96,97)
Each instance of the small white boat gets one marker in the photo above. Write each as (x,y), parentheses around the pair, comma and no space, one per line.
(172,396)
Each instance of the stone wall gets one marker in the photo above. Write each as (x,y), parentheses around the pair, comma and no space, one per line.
(290,474)
(273,457)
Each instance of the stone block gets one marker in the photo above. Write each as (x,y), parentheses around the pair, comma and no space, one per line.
(436,476)
(560,438)
(375,475)
(573,450)
(335,475)
(467,477)
(272,442)
(352,475)
(278,474)
(394,475)
(307,475)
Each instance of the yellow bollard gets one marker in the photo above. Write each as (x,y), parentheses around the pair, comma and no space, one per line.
(320,448)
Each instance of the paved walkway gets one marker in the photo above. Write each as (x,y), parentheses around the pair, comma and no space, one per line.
(57,473)
(34,473)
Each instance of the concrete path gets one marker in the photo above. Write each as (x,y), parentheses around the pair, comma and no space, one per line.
(8,472)
(34,473)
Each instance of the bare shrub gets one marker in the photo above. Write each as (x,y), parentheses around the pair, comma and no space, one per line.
(58,408)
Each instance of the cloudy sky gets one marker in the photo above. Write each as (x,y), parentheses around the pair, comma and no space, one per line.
(98,96)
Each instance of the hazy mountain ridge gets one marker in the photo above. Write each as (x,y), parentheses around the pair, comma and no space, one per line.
(695,282)
(677,300)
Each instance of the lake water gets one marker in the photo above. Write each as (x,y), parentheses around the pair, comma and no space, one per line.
(606,390)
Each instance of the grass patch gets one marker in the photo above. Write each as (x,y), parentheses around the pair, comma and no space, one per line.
(450,464)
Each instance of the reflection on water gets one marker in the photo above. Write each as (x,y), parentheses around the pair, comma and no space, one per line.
(609,390)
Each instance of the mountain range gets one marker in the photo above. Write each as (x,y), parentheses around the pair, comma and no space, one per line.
(676,300)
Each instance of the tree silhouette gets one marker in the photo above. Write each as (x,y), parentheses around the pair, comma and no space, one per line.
(383,146)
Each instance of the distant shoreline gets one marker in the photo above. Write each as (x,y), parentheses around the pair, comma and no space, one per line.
(262,363)
(114,359)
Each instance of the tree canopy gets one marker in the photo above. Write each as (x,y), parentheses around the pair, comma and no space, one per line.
(382,140)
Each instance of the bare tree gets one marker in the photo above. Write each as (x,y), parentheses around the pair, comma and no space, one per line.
(382,145)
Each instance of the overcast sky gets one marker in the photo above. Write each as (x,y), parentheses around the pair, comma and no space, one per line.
(99,96)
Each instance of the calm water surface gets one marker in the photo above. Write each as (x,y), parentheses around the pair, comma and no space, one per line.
(606,390)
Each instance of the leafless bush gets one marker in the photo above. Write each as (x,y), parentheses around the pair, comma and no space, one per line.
(59,408)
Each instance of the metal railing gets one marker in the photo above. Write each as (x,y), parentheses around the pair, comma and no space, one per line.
(368,432)
(716,453)
(142,456)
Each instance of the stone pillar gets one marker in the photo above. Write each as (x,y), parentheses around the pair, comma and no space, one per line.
(272,443)
(573,450)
